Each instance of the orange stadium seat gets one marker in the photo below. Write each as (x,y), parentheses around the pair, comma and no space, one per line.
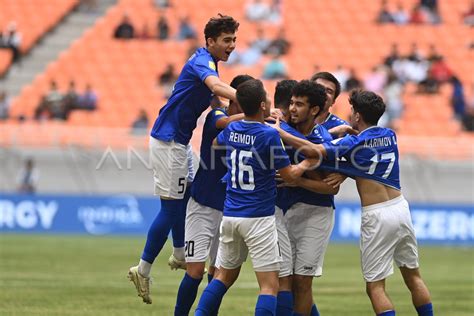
(323,33)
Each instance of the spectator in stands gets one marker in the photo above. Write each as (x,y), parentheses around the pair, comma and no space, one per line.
(468,119)
(415,54)
(163,28)
(11,39)
(384,15)
(440,70)
(280,45)
(393,57)
(257,11)
(430,7)
(27,178)
(125,29)
(140,125)
(468,16)
(71,98)
(162,4)
(393,98)
(260,43)
(275,12)
(51,105)
(186,30)
(167,80)
(4,105)
(341,75)
(417,15)
(400,16)
(275,69)
(429,85)
(376,79)
(458,101)
(88,100)
(353,82)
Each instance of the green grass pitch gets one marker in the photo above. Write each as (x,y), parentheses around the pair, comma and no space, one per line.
(75,275)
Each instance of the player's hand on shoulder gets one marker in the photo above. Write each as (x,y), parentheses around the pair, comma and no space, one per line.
(343,130)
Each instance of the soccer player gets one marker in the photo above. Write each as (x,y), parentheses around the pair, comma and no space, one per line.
(254,152)
(204,211)
(333,89)
(310,215)
(169,141)
(387,232)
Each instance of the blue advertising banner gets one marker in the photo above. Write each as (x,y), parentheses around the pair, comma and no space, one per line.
(128,214)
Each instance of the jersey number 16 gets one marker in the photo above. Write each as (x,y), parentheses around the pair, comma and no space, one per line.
(242,168)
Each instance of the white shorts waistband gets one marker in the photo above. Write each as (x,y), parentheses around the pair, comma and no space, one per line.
(388,203)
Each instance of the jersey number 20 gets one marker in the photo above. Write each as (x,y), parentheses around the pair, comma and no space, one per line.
(241,170)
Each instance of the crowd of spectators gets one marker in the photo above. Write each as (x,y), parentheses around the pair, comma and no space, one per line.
(422,12)
(57,105)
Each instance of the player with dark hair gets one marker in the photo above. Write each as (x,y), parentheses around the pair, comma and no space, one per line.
(282,96)
(333,89)
(169,141)
(254,153)
(204,209)
(387,232)
(310,214)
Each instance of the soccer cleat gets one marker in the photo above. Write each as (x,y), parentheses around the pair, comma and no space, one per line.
(142,284)
(176,264)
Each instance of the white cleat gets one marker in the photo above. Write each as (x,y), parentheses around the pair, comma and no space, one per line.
(141,283)
(176,264)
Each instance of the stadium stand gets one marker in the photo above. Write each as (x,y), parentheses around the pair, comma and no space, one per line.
(33,19)
(325,33)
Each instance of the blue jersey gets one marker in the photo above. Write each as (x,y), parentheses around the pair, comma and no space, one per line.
(318,135)
(333,121)
(282,198)
(189,99)
(208,189)
(373,154)
(254,152)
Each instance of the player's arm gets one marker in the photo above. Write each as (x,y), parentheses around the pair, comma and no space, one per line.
(224,121)
(292,172)
(343,130)
(220,88)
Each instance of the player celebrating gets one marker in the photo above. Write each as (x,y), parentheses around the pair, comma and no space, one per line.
(333,89)
(310,215)
(254,152)
(169,141)
(387,232)
(204,211)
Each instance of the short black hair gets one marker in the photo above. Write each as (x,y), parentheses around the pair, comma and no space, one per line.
(315,93)
(218,25)
(240,79)
(368,104)
(329,77)
(282,96)
(250,96)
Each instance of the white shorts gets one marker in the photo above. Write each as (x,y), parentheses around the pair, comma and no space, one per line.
(202,226)
(286,266)
(258,236)
(309,228)
(386,235)
(172,165)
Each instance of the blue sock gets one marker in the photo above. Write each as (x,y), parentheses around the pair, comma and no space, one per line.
(284,303)
(387,313)
(186,295)
(314,310)
(209,278)
(177,231)
(211,298)
(159,229)
(425,310)
(266,305)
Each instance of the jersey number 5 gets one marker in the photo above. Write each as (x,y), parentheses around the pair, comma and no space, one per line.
(375,160)
(241,170)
